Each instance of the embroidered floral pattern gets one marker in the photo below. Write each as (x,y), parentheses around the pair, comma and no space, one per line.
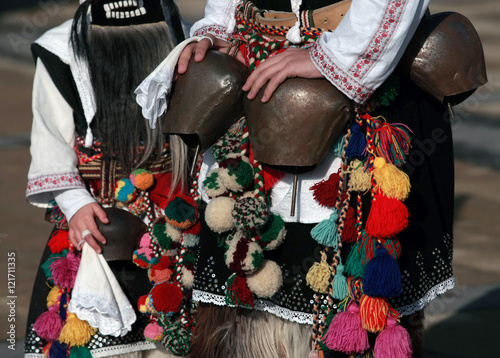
(387,27)
(340,79)
(51,182)
(217,30)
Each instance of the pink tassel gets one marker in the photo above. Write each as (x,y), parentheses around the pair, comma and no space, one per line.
(393,342)
(49,325)
(64,270)
(346,333)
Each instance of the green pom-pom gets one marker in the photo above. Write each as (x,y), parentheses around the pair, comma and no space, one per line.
(273,233)
(189,258)
(213,184)
(80,352)
(177,339)
(250,213)
(125,191)
(237,173)
(160,234)
(182,212)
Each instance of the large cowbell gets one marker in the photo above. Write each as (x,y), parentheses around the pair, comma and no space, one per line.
(445,58)
(206,100)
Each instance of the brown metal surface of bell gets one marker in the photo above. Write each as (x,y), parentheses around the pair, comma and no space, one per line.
(206,100)
(299,124)
(122,234)
(445,57)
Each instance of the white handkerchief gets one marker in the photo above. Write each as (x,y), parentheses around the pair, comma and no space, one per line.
(98,298)
(153,93)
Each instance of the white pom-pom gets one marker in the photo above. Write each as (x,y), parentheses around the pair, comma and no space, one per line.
(213,184)
(267,280)
(173,233)
(293,35)
(187,278)
(218,214)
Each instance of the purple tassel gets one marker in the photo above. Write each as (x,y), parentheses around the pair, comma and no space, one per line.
(346,333)
(64,270)
(49,325)
(58,350)
(393,342)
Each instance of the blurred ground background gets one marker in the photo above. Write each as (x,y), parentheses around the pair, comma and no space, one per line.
(462,323)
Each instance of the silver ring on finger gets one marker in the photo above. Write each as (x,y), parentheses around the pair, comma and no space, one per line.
(86,233)
(79,246)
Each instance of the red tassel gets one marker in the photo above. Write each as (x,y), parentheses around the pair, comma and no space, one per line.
(49,325)
(59,241)
(373,313)
(326,191)
(346,333)
(349,233)
(393,342)
(388,217)
(238,292)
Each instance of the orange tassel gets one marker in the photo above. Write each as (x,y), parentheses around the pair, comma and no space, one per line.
(373,311)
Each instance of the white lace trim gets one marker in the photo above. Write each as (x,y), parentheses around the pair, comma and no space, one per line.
(439,289)
(260,304)
(109,351)
(105,314)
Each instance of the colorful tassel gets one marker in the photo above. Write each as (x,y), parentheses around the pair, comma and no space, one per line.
(393,342)
(354,262)
(64,270)
(393,182)
(349,232)
(238,293)
(59,241)
(76,332)
(49,324)
(356,147)
(80,352)
(392,141)
(326,232)
(382,276)
(346,333)
(388,217)
(373,312)
(58,350)
(339,284)
(318,276)
(360,179)
(326,191)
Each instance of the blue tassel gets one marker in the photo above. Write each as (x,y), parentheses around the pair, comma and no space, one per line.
(58,350)
(63,304)
(326,233)
(339,284)
(357,143)
(382,276)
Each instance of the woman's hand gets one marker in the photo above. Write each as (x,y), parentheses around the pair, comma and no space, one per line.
(293,62)
(200,49)
(83,220)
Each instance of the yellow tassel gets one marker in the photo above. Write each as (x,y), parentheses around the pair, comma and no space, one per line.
(76,332)
(373,312)
(359,180)
(393,182)
(53,296)
(319,275)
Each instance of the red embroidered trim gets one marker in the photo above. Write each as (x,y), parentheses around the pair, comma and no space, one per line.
(49,182)
(387,27)
(217,30)
(344,82)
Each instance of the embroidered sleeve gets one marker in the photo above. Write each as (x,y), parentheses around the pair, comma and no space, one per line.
(53,164)
(219,19)
(367,45)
